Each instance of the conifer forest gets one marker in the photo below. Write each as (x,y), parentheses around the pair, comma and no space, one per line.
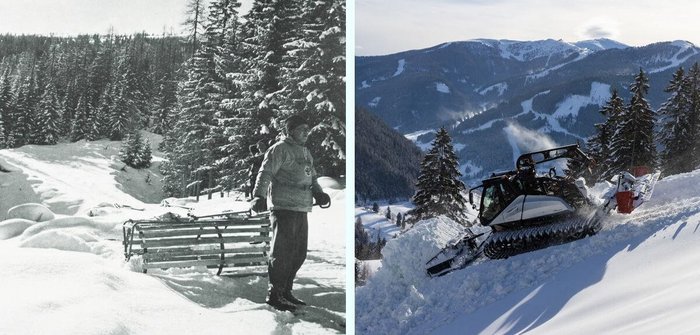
(225,84)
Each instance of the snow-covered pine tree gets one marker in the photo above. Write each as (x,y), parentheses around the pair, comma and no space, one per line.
(30,104)
(316,84)
(3,142)
(130,75)
(81,123)
(144,154)
(633,141)
(679,122)
(5,114)
(269,25)
(69,104)
(693,84)
(49,116)
(192,152)
(104,113)
(100,73)
(130,149)
(232,132)
(164,107)
(193,26)
(125,111)
(21,111)
(439,185)
(143,81)
(599,144)
(120,115)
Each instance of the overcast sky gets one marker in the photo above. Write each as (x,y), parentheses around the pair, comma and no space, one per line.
(73,17)
(388,26)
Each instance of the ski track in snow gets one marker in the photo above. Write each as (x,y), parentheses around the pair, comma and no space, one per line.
(583,54)
(500,87)
(600,93)
(414,138)
(533,292)
(675,61)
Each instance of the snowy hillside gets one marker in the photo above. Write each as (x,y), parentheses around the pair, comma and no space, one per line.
(490,91)
(68,275)
(638,275)
(522,51)
(67,176)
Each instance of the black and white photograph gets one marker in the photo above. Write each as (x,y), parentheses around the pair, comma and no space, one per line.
(527,167)
(173,167)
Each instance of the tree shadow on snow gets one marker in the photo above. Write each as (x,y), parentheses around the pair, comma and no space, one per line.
(211,291)
(16,188)
(326,304)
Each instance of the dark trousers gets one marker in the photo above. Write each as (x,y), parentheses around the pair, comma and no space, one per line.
(290,232)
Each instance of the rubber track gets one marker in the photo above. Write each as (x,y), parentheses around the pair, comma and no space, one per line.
(504,244)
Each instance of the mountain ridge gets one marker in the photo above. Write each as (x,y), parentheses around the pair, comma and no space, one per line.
(484,98)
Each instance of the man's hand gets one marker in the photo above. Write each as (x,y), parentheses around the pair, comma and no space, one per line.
(258,204)
(322,199)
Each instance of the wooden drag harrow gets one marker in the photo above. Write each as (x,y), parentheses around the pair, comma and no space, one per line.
(235,243)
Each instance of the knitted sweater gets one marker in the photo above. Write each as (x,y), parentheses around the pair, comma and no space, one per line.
(287,177)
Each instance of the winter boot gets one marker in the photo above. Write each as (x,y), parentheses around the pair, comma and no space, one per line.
(276,300)
(288,295)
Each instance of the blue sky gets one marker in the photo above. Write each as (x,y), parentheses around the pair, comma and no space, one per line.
(388,26)
(72,17)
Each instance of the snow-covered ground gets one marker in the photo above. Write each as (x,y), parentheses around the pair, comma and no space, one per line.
(68,275)
(377,224)
(639,275)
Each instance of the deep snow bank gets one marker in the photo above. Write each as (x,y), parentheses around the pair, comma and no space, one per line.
(59,292)
(68,276)
(401,299)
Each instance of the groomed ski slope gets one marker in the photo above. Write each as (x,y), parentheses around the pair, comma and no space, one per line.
(69,276)
(639,275)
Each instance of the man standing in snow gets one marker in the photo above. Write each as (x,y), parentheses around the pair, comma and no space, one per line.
(287,179)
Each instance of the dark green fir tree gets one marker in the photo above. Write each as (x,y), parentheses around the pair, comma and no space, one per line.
(439,186)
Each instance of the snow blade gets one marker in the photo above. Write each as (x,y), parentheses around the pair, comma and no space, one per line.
(454,257)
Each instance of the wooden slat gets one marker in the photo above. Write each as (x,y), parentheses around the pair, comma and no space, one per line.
(196,231)
(181,264)
(147,225)
(204,262)
(245,261)
(195,225)
(165,242)
(234,258)
(181,252)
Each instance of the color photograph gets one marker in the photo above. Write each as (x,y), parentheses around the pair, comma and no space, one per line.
(526,167)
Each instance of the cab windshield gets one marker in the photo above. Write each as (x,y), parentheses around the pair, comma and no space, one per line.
(490,202)
(494,199)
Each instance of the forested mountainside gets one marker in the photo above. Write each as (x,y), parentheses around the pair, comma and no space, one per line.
(226,86)
(499,98)
(386,163)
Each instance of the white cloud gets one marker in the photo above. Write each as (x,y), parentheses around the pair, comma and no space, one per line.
(599,27)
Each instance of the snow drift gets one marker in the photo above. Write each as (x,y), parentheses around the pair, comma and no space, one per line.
(62,259)
(634,277)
